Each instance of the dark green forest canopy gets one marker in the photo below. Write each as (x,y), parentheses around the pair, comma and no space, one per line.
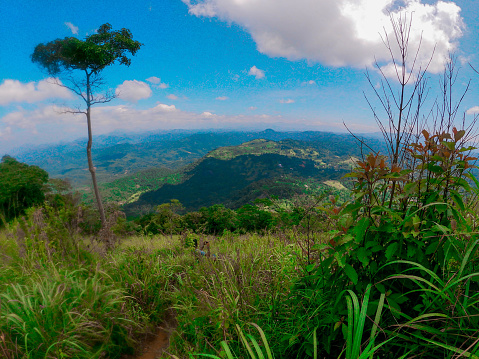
(21,186)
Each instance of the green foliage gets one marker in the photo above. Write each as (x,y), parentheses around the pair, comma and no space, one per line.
(191,240)
(253,219)
(96,52)
(401,217)
(218,218)
(22,186)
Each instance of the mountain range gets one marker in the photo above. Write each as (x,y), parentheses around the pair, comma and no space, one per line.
(141,171)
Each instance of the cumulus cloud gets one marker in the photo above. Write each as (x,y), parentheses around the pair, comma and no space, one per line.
(286,101)
(339,32)
(51,114)
(252,108)
(154,80)
(473,110)
(222,98)
(133,90)
(308,83)
(15,91)
(157,81)
(73,28)
(254,71)
(172,97)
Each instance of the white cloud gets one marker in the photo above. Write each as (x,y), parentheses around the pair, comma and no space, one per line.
(252,108)
(473,110)
(286,101)
(172,97)
(394,71)
(73,28)
(157,81)
(254,71)
(133,90)
(339,32)
(16,91)
(50,114)
(154,80)
(222,98)
(310,82)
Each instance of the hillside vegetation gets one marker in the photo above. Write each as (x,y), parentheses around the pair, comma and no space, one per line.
(387,276)
(119,156)
(236,175)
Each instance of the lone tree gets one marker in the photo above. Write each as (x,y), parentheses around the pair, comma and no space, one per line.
(66,57)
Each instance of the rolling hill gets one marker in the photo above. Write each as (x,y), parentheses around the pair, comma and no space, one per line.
(236,175)
(122,155)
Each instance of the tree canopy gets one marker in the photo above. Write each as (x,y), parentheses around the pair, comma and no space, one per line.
(93,54)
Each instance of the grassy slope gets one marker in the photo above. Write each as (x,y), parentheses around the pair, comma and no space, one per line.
(94,304)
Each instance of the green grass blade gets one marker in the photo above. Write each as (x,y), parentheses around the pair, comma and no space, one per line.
(465,260)
(256,346)
(349,338)
(245,342)
(265,341)
(227,350)
(376,320)
(361,321)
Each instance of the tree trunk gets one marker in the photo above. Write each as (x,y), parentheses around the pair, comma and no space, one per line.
(88,153)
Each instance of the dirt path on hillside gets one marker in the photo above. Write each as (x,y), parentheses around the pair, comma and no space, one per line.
(153,346)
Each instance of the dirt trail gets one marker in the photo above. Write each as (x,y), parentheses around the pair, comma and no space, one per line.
(154,345)
(154,348)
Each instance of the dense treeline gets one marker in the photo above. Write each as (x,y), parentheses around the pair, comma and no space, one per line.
(22,187)
(265,215)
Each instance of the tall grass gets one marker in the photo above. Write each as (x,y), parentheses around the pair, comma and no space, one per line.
(250,279)
(67,314)
(62,308)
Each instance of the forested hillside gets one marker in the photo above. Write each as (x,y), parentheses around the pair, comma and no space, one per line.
(236,175)
(118,156)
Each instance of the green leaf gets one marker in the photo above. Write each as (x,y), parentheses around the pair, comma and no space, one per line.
(435,169)
(351,273)
(410,187)
(339,259)
(431,248)
(363,256)
(440,228)
(345,239)
(411,250)
(392,248)
(360,229)
(450,145)
(458,200)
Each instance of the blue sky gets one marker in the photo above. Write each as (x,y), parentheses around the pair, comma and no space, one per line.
(225,64)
